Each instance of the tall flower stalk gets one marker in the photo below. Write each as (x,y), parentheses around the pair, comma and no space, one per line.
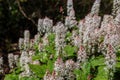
(1,65)
(45,25)
(60,31)
(116,7)
(110,62)
(95,8)
(26,40)
(70,19)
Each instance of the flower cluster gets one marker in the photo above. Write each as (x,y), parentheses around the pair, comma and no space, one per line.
(45,25)
(11,60)
(26,39)
(69,68)
(20,43)
(36,39)
(111,31)
(110,57)
(81,55)
(88,27)
(60,31)
(54,76)
(16,60)
(45,39)
(70,19)
(26,55)
(76,38)
(24,63)
(106,20)
(110,62)
(69,6)
(116,7)
(95,8)
(59,66)
(1,64)
(62,70)
(58,73)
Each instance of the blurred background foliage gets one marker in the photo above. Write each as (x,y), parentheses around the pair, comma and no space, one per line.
(18,15)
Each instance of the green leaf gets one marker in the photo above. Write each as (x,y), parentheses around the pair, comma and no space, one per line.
(29,78)
(38,70)
(50,49)
(68,37)
(36,57)
(86,69)
(96,60)
(68,34)
(11,77)
(83,73)
(44,57)
(69,50)
(118,64)
(77,72)
(50,65)
(51,37)
(102,75)
(118,52)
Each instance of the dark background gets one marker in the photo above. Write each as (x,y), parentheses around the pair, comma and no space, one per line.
(13,22)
